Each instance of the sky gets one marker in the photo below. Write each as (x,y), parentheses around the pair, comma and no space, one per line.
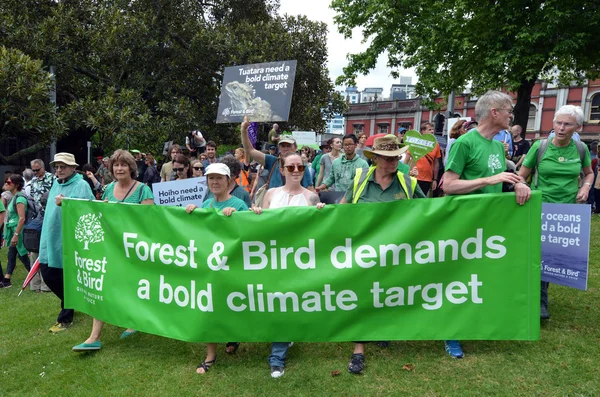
(338,47)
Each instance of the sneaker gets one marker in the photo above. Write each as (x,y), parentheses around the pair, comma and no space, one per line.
(59,327)
(383,343)
(544,315)
(290,344)
(453,348)
(357,363)
(277,372)
(5,283)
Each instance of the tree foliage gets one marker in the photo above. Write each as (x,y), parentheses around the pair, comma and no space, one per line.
(491,44)
(26,111)
(148,71)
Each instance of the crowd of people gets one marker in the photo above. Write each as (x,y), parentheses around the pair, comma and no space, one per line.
(487,156)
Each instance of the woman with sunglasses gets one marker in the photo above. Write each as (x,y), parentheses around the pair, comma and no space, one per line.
(197,168)
(181,167)
(13,229)
(125,189)
(292,194)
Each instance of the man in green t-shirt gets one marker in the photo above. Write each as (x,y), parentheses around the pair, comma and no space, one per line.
(476,163)
(274,135)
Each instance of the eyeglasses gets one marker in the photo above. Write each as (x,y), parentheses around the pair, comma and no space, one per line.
(61,167)
(388,159)
(349,144)
(198,168)
(8,182)
(564,124)
(36,171)
(179,169)
(510,110)
(291,168)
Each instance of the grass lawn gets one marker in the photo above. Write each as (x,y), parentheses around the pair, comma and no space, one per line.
(35,362)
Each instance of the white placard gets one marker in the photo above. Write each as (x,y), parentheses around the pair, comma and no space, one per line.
(305,137)
(181,192)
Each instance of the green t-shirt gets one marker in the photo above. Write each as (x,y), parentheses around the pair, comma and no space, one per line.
(2,209)
(476,157)
(558,171)
(403,168)
(234,202)
(13,215)
(140,193)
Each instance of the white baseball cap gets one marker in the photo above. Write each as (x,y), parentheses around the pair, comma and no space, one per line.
(218,168)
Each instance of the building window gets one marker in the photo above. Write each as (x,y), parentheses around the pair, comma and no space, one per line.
(595,109)
(408,126)
(383,128)
(531,119)
(358,128)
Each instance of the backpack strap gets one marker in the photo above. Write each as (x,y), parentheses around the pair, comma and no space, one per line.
(271,172)
(582,150)
(540,155)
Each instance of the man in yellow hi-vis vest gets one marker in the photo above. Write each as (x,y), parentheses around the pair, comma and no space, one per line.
(381,182)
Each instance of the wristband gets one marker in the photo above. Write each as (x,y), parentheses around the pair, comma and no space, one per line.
(16,234)
(589,184)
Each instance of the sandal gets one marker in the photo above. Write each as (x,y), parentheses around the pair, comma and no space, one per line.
(231,347)
(205,365)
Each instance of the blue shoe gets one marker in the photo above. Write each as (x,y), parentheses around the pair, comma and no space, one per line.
(87,347)
(126,333)
(453,348)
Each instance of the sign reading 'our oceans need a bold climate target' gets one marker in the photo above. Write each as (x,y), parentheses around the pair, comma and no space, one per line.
(207,277)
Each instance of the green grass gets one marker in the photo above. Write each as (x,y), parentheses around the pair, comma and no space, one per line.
(34,362)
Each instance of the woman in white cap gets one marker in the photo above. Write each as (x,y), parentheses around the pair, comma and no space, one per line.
(125,189)
(292,194)
(68,184)
(218,177)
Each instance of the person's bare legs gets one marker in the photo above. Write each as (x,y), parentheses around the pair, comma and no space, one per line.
(97,326)
(209,361)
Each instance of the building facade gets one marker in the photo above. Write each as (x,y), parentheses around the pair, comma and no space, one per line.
(389,116)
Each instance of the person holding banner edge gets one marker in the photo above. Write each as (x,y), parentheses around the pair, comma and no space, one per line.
(477,163)
(219,178)
(558,163)
(125,189)
(68,184)
(380,183)
(292,194)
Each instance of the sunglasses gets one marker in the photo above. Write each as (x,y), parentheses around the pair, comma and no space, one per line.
(36,171)
(8,182)
(388,159)
(198,168)
(179,169)
(291,168)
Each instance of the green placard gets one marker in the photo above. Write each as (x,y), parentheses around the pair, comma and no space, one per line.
(446,268)
(419,145)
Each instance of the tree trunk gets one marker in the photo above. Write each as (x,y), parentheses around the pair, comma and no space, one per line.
(523,101)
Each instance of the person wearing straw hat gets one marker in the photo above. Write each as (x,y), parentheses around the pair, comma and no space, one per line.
(380,183)
(68,184)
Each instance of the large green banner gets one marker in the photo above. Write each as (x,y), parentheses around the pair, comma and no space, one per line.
(463,267)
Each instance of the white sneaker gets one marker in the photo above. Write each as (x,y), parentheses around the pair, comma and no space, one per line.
(277,372)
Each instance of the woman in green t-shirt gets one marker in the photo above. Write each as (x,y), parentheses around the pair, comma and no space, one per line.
(13,229)
(558,170)
(125,189)
(219,176)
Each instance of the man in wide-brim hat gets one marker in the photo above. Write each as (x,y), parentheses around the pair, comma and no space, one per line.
(68,184)
(380,183)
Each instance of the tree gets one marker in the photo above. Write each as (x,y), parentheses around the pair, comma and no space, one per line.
(148,71)
(491,44)
(89,230)
(26,112)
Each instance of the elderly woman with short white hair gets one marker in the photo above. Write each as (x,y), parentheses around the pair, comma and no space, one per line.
(557,164)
